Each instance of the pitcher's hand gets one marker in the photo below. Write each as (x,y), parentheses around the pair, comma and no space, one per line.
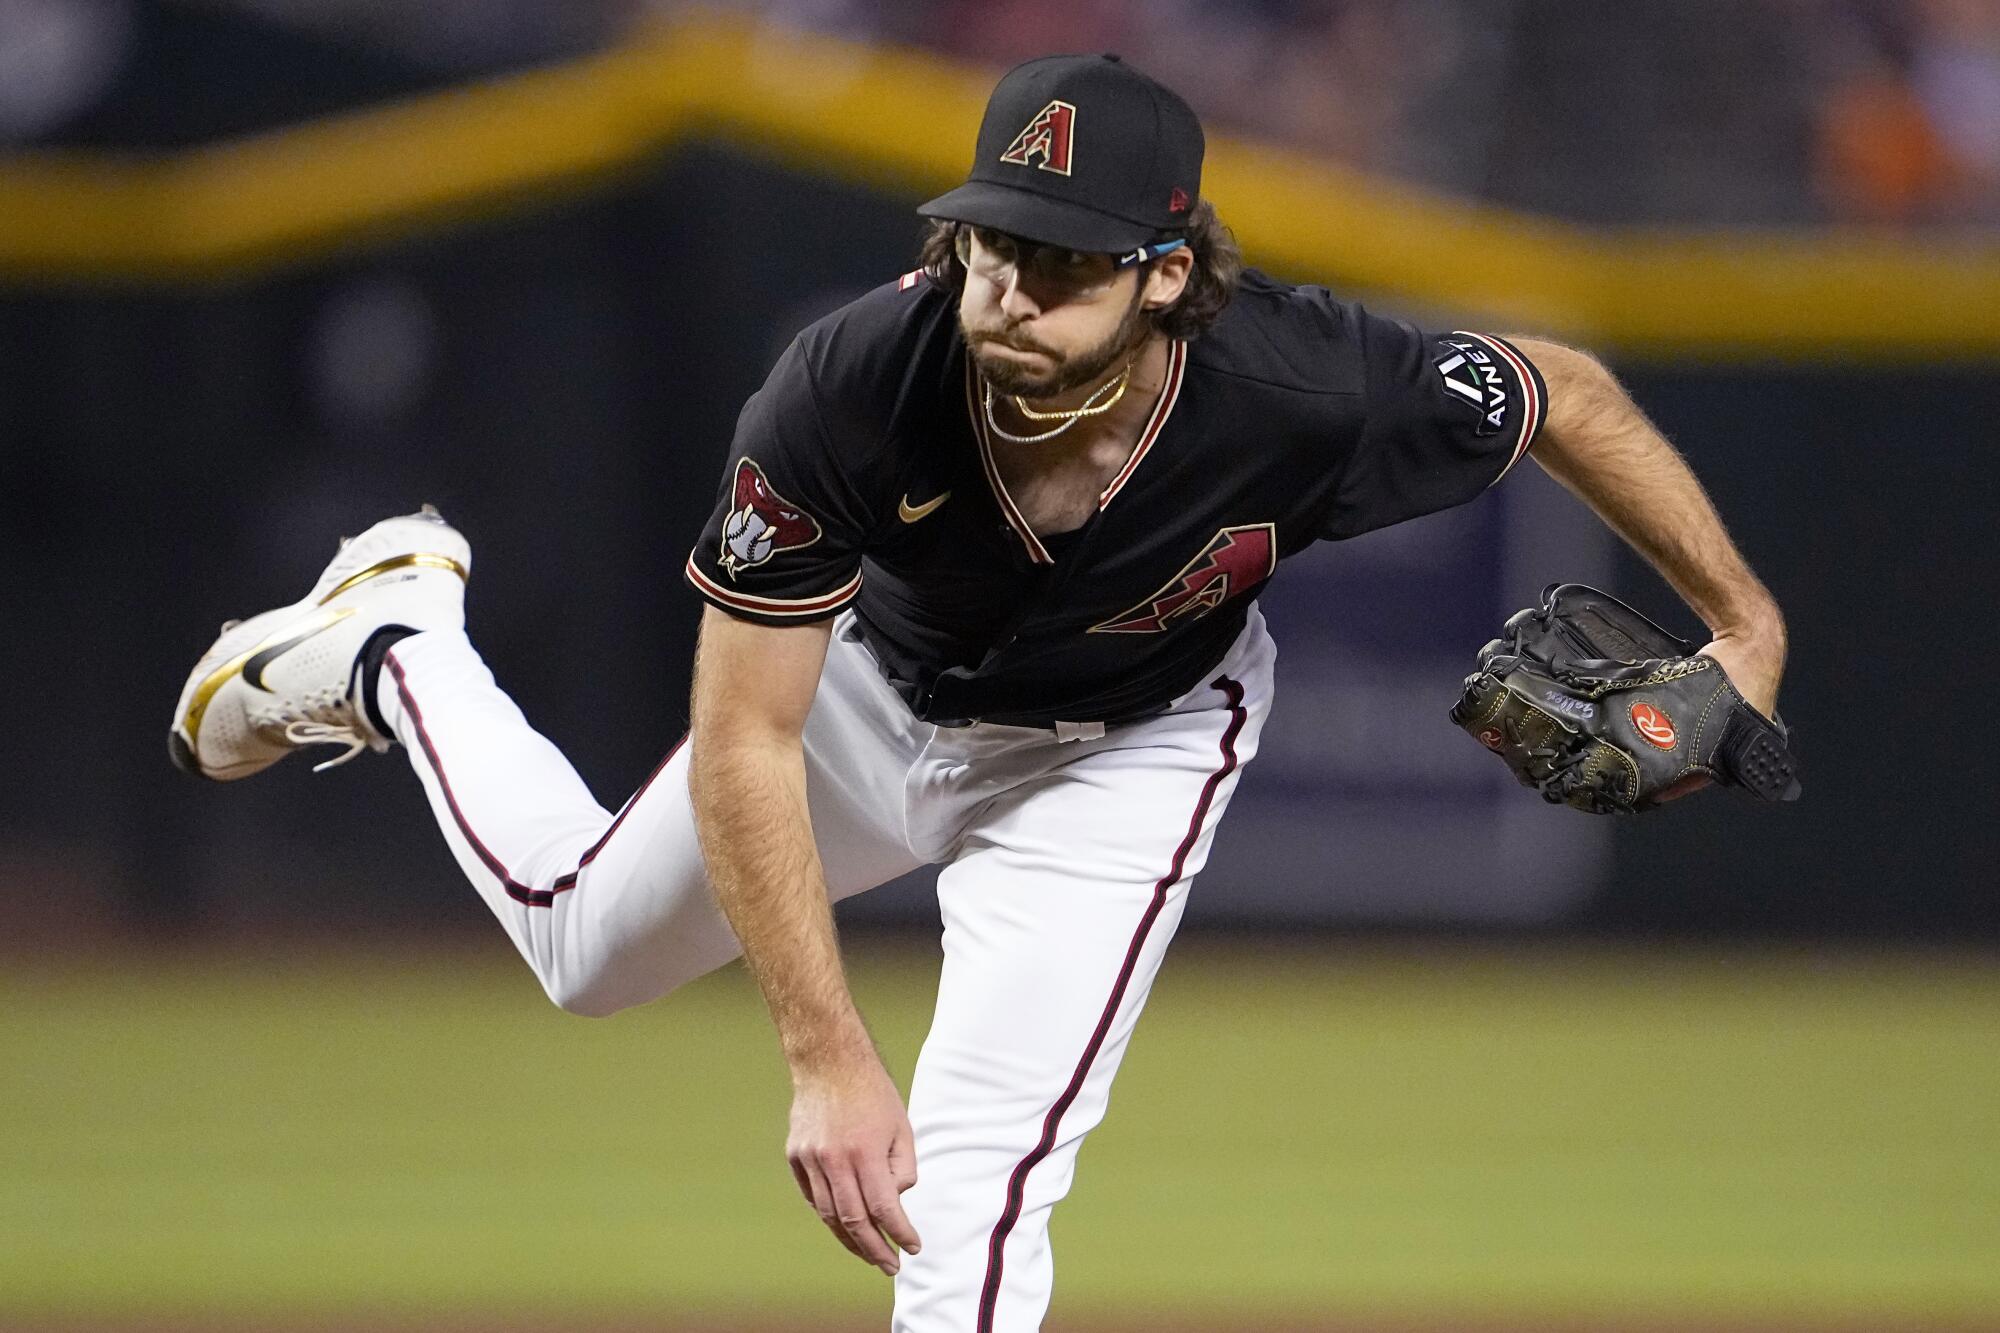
(853,1154)
(1753,663)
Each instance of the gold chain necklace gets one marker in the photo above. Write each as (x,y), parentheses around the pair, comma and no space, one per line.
(1091,407)
(1068,417)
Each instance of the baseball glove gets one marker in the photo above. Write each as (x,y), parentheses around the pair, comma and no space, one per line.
(1597,707)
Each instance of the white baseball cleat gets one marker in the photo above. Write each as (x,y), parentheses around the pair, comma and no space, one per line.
(292,677)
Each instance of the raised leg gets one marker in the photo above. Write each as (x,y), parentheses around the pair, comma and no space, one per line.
(615,910)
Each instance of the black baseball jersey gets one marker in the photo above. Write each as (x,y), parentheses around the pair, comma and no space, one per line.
(862,476)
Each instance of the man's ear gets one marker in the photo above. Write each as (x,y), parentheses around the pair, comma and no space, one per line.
(1167,277)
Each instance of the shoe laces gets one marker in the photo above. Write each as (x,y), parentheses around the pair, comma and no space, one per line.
(322,717)
(321,733)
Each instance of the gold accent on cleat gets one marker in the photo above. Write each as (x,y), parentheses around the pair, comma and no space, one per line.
(205,692)
(216,679)
(417,559)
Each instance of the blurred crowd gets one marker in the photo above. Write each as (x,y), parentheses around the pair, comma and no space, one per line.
(1700,111)
(1747,112)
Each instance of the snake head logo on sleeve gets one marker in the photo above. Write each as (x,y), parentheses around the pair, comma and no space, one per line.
(761,522)
(1234,561)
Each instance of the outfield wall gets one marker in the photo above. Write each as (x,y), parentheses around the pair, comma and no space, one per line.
(559,369)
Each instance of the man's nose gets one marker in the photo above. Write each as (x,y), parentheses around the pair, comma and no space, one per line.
(1015,302)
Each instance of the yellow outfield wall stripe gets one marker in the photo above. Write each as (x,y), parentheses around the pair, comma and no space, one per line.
(904,121)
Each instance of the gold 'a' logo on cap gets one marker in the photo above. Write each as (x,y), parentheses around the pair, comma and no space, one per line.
(1048,136)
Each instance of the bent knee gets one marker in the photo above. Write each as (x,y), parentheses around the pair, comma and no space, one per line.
(587,997)
(596,976)
(601,992)
(584,1003)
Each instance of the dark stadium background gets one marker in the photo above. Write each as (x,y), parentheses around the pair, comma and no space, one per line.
(557,365)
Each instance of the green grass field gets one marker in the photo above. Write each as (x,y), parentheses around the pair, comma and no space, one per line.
(1447,1136)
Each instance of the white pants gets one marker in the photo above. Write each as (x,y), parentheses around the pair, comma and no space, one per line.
(1067,865)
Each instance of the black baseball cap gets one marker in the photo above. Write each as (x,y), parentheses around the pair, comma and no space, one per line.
(1084,152)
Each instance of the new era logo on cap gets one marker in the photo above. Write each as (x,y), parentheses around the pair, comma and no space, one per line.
(1050,136)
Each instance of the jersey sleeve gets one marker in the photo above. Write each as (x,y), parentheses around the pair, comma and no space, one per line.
(1443,416)
(783,544)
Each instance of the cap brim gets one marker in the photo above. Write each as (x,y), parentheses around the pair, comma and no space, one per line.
(1037,217)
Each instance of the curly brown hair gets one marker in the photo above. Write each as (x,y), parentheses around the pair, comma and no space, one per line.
(1217,265)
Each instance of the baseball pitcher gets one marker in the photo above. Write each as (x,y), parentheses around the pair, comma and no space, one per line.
(980,586)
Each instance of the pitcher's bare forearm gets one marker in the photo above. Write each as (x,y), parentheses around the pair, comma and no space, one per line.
(850,1146)
(1599,445)
(747,777)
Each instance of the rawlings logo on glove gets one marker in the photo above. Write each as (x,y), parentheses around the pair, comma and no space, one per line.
(1597,707)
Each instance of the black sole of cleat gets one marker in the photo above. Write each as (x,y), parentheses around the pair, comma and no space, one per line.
(182,754)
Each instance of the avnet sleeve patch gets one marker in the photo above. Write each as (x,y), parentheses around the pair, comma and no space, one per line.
(1443,417)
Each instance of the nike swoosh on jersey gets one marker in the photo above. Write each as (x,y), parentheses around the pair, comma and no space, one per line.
(910,513)
(253,669)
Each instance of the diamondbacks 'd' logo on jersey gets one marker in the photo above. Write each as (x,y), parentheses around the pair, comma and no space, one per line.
(1471,373)
(1234,561)
(1048,136)
(761,522)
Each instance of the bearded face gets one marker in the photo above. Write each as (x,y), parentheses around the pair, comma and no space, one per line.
(1065,348)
